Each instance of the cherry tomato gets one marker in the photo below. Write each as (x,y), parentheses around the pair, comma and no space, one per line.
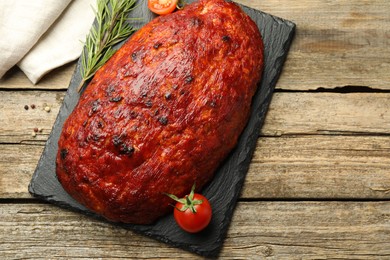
(162,7)
(193,212)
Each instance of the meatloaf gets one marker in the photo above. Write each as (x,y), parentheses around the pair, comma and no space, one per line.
(162,113)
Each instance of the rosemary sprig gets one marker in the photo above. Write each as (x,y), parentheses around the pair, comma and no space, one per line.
(110,28)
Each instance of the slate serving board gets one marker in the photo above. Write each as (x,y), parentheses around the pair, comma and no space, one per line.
(225,188)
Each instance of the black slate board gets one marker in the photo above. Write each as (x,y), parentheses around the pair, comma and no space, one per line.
(225,188)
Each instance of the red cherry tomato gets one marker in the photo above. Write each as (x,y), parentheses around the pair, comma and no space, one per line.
(162,7)
(193,221)
(193,212)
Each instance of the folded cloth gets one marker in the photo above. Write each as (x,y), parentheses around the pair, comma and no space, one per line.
(42,35)
(62,43)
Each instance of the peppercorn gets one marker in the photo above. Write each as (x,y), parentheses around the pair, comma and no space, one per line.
(163,120)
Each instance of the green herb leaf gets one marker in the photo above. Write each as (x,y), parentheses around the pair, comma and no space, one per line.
(111,27)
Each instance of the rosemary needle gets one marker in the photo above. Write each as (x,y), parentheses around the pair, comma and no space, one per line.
(110,28)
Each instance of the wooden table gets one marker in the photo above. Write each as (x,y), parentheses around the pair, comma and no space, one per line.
(319,182)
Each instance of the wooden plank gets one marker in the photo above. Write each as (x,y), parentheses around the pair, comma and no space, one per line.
(17,165)
(328,113)
(274,230)
(297,165)
(59,78)
(309,167)
(336,43)
(289,114)
(18,124)
(320,167)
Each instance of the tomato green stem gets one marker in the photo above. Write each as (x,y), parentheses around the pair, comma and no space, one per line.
(188,201)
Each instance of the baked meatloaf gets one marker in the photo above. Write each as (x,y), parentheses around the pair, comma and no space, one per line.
(162,113)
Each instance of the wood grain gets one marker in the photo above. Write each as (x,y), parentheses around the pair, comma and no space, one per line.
(320,167)
(313,145)
(272,230)
(17,165)
(336,43)
(289,114)
(18,124)
(328,113)
(298,167)
(59,78)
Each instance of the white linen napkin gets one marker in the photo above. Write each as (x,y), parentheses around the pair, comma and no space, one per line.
(40,35)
